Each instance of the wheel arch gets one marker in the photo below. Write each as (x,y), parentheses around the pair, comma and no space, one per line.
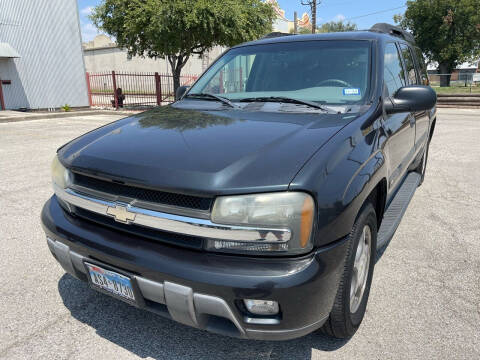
(378,198)
(368,185)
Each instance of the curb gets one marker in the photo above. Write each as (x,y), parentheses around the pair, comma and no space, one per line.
(64,115)
(458,106)
(459,95)
(459,100)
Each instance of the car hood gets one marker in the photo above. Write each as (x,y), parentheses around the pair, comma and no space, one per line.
(203,152)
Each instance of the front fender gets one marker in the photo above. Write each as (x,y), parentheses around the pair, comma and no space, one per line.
(363,182)
(341,176)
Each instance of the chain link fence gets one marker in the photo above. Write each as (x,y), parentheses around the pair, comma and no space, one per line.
(466,82)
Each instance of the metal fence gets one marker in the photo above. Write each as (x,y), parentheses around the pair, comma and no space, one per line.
(132,90)
(456,82)
(140,90)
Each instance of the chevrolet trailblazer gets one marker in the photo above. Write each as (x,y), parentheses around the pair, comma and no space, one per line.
(254,206)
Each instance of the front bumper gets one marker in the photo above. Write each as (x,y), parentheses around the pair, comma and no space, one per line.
(201,289)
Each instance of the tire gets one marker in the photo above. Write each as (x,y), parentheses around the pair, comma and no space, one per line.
(344,318)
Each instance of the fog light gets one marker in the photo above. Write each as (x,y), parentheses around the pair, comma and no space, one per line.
(261,307)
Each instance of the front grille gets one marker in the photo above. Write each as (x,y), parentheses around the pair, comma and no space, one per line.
(154,196)
(193,242)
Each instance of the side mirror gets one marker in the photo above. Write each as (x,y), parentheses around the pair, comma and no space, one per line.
(181,91)
(411,98)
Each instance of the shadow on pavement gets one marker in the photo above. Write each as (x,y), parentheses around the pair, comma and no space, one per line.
(149,335)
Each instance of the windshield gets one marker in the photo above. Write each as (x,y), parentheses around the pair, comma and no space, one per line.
(327,72)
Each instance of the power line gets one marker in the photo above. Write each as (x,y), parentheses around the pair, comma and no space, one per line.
(375,13)
(327,4)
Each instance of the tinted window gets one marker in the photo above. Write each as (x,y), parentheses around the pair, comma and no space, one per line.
(233,77)
(422,67)
(412,78)
(331,72)
(394,76)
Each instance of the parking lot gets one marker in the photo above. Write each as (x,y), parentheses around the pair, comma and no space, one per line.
(424,302)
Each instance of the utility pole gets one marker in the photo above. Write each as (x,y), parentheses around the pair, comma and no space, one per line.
(295,22)
(314,16)
(313,10)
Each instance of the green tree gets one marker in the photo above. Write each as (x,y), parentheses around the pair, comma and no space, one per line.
(337,26)
(332,26)
(302,31)
(447,31)
(178,29)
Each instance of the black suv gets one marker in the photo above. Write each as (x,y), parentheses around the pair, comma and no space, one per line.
(256,204)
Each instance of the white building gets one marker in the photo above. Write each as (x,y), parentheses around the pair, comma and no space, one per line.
(464,67)
(41,62)
(102,55)
(282,24)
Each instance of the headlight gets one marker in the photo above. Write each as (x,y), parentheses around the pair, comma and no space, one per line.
(292,210)
(60,175)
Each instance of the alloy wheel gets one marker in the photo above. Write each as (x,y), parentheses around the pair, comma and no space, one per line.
(361,266)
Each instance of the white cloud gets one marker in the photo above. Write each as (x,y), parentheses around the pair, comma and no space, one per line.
(89,31)
(339,17)
(86,11)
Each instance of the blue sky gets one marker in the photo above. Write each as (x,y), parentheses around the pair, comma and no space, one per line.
(353,10)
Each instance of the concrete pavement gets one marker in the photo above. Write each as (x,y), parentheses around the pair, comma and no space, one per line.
(424,302)
(8,116)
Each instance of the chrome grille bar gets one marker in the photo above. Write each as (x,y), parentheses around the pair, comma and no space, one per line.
(173,223)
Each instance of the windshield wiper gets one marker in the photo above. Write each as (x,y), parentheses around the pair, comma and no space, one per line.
(287,100)
(212,96)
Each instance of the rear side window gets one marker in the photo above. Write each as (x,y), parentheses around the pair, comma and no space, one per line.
(422,68)
(412,78)
(394,76)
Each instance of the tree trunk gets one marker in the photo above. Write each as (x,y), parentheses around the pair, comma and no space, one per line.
(445,74)
(176,81)
(177,62)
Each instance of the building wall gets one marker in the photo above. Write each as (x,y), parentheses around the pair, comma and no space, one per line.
(108,58)
(112,58)
(99,41)
(51,71)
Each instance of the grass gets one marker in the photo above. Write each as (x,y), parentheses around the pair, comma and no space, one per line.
(66,108)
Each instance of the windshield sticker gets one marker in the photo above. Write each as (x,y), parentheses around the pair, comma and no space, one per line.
(351,91)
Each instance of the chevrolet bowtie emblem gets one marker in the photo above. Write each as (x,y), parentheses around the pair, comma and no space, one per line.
(120,213)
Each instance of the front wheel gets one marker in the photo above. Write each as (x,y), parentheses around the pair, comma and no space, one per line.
(352,294)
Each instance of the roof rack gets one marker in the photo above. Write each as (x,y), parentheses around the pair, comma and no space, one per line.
(392,30)
(276,34)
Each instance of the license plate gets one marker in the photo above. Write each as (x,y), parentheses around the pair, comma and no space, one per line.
(114,283)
